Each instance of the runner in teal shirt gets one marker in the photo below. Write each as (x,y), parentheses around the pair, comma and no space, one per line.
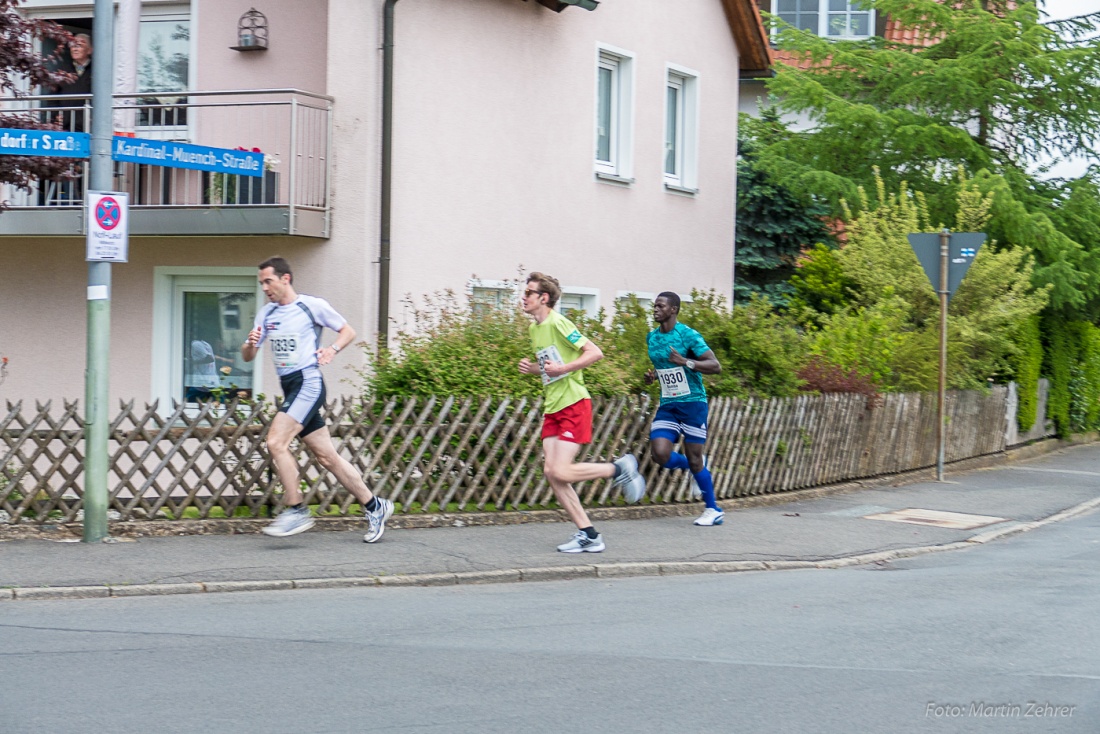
(680,357)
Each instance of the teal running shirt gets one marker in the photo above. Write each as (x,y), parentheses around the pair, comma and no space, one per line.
(678,383)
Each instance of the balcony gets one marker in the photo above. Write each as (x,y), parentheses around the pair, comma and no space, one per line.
(292,128)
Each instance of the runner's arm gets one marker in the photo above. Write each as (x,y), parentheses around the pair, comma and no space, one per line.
(705,364)
(344,337)
(590,354)
(252,344)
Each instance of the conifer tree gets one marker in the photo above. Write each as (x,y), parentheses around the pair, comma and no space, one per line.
(988,88)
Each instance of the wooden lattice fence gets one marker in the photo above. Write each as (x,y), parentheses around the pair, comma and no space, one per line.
(465,454)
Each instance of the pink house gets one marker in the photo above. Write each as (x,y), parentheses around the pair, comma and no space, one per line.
(594,141)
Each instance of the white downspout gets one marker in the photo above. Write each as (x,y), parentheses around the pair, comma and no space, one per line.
(127,30)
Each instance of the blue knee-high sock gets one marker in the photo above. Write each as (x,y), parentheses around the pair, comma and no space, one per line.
(706,486)
(676,461)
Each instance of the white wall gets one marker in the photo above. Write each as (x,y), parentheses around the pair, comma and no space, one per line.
(494,140)
(494,135)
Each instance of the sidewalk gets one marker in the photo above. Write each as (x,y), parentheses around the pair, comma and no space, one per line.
(825,532)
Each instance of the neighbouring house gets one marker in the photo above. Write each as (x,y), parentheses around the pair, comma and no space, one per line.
(593,141)
(845,20)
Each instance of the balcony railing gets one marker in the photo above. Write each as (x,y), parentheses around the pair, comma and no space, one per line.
(291,127)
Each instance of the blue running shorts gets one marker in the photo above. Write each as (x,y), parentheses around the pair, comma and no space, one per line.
(676,419)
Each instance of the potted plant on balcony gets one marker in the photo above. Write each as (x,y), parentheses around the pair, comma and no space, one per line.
(232,189)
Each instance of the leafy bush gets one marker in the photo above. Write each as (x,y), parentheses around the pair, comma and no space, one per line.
(820,285)
(1027,367)
(870,307)
(455,349)
(1084,385)
(863,340)
(760,349)
(1059,367)
(819,376)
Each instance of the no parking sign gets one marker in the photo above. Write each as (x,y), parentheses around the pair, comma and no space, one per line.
(108,220)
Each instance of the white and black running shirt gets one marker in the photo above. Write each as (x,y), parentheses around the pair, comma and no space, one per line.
(294,331)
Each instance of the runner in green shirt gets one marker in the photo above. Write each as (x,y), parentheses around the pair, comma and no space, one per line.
(561,353)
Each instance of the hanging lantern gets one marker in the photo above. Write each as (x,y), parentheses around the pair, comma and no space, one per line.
(251,32)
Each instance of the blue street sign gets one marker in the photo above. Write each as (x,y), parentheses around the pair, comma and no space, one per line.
(184,155)
(49,143)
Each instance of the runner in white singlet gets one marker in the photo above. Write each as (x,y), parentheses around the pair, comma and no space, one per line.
(292,325)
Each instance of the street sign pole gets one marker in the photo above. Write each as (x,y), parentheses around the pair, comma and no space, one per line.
(941,432)
(96,375)
(945,258)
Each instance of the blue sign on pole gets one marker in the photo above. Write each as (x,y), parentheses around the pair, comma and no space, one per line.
(962,248)
(50,143)
(184,155)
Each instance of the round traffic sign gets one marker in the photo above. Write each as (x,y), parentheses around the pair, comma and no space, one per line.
(108,213)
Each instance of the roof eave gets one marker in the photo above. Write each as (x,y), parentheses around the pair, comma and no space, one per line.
(749,34)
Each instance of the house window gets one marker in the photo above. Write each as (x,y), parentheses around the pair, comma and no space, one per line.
(614,114)
(486,295)
(645,300)
(829,18)
(201,317)
(485,299)
(681,129)
(164,52)
(164,45)
(576,298)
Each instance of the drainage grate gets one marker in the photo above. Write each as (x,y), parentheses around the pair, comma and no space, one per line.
(937,518)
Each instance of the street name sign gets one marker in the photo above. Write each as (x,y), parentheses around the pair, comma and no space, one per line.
(50,143)
(184,155)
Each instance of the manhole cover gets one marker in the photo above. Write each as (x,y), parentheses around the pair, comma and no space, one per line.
(937,518)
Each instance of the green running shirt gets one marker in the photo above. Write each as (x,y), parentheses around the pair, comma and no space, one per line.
(557,339)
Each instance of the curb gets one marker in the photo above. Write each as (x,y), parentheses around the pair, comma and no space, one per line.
(544,573)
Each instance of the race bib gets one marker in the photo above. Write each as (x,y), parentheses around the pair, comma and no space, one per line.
(285,348)
(674,382)
(549,354)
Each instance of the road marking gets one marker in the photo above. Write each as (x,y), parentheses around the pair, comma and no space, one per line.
(1055,471)
(937,518)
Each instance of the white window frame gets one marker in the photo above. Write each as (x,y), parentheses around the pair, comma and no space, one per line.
(473,285)
(620,130)
(685,179)
(166,11)
(644,297)
(590,299)
(823,15)
(167,349)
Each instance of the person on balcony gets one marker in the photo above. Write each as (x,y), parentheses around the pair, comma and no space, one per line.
(80,65)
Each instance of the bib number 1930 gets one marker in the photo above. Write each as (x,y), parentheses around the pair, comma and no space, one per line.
(674,382)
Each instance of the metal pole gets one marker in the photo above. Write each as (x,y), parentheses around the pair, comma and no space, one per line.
(292,222)
(941,410)
(96,383)
(385,199)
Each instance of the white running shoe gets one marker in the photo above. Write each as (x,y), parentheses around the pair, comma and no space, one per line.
(630,479)
(290,521)
(710,516)
(581,543)
(376,521)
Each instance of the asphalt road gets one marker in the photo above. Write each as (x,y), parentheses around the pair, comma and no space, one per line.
(1001,638)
